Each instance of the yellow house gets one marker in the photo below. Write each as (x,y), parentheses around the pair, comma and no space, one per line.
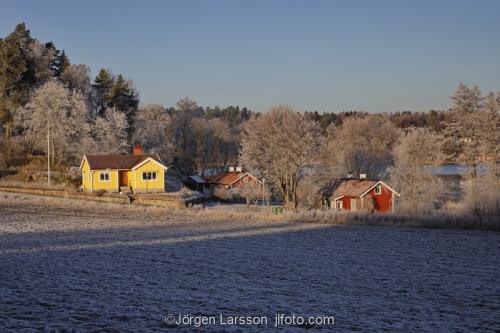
(113,173)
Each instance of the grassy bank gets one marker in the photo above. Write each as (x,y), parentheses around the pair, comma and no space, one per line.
(439,221)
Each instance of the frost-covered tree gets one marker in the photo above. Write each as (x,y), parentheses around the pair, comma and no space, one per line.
(418,149)
(482,187)
(59,116)
(463,131)
(362,145)
(44,57)
(491,131)
(150,130)
(77,77)
(277,145)
(473,133)
(110,132)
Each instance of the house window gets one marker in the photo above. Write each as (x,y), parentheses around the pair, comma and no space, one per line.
(339,205)
(149,176)
(378,189)
(104,176)
(353,205)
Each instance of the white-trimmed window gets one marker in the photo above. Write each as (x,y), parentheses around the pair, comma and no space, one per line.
(104,176)
(339,205)
(353,205)
(378,189)
(149,175)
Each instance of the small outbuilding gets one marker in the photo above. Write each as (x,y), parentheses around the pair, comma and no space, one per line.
(358,194)
(195,183)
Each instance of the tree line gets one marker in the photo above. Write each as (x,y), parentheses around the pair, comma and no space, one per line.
(50,106)
(42,92)
(281,143)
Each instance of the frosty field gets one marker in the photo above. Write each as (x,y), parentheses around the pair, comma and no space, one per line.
(103,269)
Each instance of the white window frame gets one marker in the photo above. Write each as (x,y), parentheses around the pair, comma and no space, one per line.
(339,205)
(354,205)
(378,189)
(152,173)
(104,173)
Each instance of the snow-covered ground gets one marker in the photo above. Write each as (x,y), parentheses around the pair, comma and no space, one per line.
(86,269)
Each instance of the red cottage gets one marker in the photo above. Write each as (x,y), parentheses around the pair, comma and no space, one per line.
(358,195)
(231,179)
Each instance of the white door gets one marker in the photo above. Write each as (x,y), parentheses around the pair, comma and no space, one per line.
(353,205)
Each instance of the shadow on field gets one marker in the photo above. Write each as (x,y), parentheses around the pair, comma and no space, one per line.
(369,278)
(144,235)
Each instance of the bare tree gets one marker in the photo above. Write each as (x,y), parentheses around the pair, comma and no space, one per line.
(110,132)
(43,57)
(180,134)
(151,125)
(212,140)
(252,191)
(419,149)
(465,133)
(491,131)
(77,77)
(278,145)
(186,104)
(362,145)
(482,186)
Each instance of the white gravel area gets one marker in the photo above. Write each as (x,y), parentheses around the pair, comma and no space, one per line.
(92,269)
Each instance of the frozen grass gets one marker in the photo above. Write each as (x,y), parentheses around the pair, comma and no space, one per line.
(438,220)
(40,200)
(74,266)
(36,185)
(442,220)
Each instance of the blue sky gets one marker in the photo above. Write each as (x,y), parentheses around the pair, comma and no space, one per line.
(314,55)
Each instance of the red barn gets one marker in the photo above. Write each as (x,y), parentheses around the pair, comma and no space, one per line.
(358,195)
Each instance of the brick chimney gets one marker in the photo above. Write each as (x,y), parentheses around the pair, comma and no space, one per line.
(137,150)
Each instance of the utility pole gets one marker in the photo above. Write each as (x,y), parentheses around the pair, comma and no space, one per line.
(48,151)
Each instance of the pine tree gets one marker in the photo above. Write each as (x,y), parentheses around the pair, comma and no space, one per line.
(17,74)
(103,84)
(61,61)
(123,98)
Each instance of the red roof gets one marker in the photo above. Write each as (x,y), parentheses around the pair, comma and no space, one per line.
(225,178)
(340,187)
(113,161)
